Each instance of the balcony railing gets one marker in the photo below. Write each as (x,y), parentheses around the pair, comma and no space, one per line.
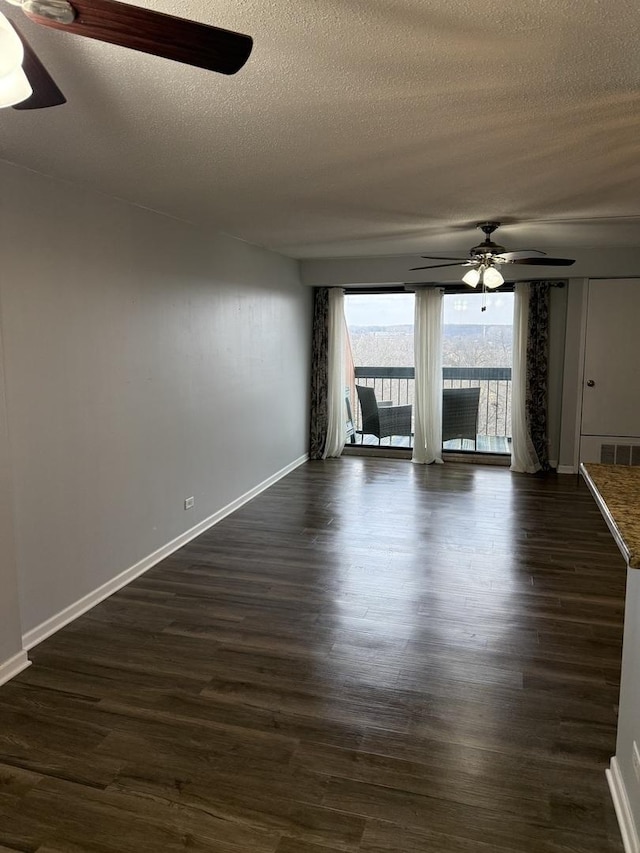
(397,384)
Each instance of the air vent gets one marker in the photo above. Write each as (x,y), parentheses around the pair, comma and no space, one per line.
(620,454)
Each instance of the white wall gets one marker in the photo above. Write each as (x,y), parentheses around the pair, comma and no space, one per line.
(10,631)
(629,712)
(146,361)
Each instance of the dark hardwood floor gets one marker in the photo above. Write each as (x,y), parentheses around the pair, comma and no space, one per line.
(372,656)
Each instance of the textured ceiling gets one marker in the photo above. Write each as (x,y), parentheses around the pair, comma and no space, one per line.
(363,127)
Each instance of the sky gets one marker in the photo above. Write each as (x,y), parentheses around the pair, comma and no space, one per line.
(396,309)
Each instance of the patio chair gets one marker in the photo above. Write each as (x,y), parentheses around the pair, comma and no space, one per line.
(382,421)
(351,430)
(460,414)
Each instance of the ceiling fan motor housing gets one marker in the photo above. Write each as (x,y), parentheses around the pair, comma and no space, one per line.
(487,248)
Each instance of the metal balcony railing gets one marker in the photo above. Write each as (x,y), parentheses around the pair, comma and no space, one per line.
(397,384)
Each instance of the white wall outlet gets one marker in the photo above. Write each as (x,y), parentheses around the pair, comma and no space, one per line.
(636,760)
(189,503)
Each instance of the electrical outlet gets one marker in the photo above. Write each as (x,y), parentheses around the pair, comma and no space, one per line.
(636,760)
(189,503)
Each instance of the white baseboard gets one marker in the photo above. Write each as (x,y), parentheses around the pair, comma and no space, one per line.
(13,666)
(59,620)
(628,829)
(566,469)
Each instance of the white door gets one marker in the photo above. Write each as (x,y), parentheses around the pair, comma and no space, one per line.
(611,391)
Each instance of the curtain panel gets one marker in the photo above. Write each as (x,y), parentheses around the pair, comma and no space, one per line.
(530,377)
(319,373)
(538,369)
(328,408)
(523,456)
(336,397)
(427,441)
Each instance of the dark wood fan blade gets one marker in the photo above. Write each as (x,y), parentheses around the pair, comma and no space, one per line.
(45,91)
(551,262)
(443,258)
(152,32)
(520,253)
(436,266)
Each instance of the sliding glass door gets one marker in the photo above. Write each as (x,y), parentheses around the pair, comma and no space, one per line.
(477,354)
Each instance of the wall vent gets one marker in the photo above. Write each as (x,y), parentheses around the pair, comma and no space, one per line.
(620,454)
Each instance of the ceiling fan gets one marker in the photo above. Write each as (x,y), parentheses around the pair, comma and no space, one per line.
(487,257)
(25,83)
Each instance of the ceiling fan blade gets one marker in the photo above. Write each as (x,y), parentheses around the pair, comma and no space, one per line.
(436,266)
(520,253)
(443,258)
(45,91)
(551,262)
(153,32)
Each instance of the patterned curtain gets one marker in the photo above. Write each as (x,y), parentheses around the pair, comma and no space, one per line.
(319,373)
(538,369)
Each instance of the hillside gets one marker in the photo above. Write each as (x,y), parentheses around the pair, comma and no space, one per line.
(472,345)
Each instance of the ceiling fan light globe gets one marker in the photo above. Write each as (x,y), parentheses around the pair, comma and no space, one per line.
(472,277)
(493,278)
(11,49)
(14,88)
